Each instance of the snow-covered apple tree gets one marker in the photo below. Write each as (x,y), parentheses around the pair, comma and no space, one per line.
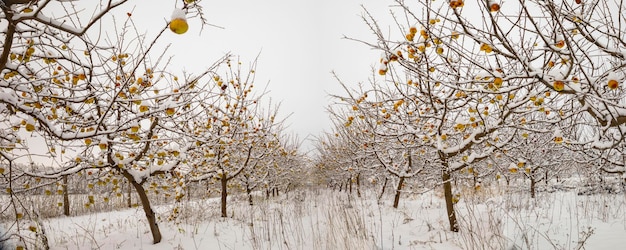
(366,153)
(340,155)
(462,79)
(233,134)
(90,99)
(282,170)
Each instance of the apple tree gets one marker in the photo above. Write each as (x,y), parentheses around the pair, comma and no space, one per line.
(233,135)
(91,100)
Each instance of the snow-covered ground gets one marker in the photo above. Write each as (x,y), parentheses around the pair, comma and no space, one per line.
(325,219)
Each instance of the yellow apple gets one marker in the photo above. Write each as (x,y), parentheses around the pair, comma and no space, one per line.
(558,85)
(179,26)
(613,84)
(170,111)
(493,7)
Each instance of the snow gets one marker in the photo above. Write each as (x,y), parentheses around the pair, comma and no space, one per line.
(557,133)
(57,23)
(563,222)
(179,14)
(326,219)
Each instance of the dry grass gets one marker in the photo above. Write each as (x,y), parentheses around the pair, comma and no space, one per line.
(493,217)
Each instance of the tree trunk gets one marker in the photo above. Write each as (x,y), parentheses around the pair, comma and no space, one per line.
(350,184)
(147,208)
(129,198)
(188,190)
(358,185)
(396,199)
(66,197)
(249,192)
(447,192)
(383,189)
(532,184)
(224,181)
(475,180)
(208,189)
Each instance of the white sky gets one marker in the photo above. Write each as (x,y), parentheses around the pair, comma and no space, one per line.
(299,44)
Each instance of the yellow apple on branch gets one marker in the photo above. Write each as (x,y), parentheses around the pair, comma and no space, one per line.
(179,24)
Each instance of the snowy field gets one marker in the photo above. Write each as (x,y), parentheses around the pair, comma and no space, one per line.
(326,219)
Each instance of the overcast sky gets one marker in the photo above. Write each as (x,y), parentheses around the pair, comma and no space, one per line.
(300,43)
